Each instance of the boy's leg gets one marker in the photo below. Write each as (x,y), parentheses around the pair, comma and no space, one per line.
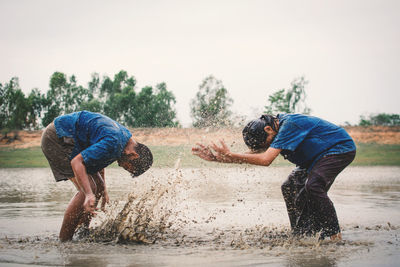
(74,214)
(319,182)
(290,189)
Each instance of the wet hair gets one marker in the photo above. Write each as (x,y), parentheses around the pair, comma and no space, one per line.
(143,162)
(254,135)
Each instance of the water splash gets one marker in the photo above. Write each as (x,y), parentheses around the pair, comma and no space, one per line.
(146,215)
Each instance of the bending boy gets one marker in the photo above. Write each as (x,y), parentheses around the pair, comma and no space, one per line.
(320,149)
(78,146)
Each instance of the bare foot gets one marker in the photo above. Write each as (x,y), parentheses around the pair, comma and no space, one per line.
(336,237)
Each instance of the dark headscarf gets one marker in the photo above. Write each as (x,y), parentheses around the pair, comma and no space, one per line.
(254,135)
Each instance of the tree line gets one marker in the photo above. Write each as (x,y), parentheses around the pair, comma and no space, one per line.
(115,97)
(120,99)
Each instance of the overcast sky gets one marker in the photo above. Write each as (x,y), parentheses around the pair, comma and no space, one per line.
(349,51)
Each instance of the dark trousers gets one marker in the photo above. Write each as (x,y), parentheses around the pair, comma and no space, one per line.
(306,195)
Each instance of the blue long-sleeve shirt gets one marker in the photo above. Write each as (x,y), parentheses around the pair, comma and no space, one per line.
(99,139)
(305,139)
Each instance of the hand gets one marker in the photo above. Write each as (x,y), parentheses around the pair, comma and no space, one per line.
(105,200)
(223,154)
(203,152)
(89,204)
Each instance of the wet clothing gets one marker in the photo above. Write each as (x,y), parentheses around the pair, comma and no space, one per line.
(99,139)
(305,139)
(306,196)
(57,151)
(321,150)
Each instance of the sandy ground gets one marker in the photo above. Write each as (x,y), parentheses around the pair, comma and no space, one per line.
(189,136)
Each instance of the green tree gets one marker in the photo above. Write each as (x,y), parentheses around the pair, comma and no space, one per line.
(290,100)
(65,96)
(94,105)
(94,86)
(381,119)
(164,111)
(142,113)
(35,103)
(211,106)
(119,95)
(95,101)
(14,107)
(147,108)
(3,105)
(154,108)
(114,97)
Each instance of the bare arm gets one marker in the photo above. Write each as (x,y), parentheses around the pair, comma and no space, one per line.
(263,159)
(83,181)
(105,197)
(223,154)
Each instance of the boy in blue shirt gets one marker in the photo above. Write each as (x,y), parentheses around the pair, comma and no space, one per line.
(320,149)
(78,146)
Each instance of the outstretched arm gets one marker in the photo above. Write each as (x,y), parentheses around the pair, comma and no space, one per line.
(223,154)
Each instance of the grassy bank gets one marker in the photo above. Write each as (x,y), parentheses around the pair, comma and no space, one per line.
(167,156)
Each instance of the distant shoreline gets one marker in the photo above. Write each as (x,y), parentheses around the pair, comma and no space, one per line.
(190,136)
(368,154)
(376,145)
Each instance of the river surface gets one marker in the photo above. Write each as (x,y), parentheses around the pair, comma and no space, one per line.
(198,217)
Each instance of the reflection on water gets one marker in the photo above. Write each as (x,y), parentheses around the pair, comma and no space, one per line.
(220,217)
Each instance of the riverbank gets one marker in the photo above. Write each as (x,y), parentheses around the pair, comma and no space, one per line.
(167,156)
(375,146)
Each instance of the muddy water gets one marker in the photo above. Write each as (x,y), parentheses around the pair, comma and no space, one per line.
(198,217)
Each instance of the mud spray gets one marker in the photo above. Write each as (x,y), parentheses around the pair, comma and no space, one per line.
(147,215)
(162,211)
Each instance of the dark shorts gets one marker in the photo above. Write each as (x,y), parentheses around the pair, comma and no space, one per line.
(57,151)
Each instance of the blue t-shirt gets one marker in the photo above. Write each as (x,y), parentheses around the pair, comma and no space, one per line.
(305,139)
(99,139)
